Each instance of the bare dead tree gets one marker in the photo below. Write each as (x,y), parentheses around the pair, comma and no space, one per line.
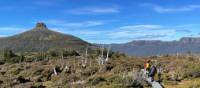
(54,70)
(85,59)
(108,51)
(102,57)
(62,56)
(62,60)
(90,61)
(104,60)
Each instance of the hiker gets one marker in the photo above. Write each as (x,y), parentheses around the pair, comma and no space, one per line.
(147,67)
(159,71)
(152,72)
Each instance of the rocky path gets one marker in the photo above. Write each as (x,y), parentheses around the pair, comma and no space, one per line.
(154,83)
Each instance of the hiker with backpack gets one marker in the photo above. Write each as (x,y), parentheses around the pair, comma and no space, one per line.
(152,73)
(147,66)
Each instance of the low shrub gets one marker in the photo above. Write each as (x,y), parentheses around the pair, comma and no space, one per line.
(96,80)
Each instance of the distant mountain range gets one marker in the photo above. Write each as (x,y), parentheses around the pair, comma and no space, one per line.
(41,38)
(157,47)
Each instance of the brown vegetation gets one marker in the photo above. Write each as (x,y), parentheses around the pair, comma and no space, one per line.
(119,72)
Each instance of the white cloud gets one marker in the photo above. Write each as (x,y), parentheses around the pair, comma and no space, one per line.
(3,35)
(94,10)
(141,27)
(89,32)
(124,33)
(10,29)
(128,33)
(188,25)
(82,24)
(145,32)
(181,9)
(116,35)
(85,32)
(161,9)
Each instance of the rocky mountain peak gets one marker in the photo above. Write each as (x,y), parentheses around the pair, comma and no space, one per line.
(41,37)
(41,25)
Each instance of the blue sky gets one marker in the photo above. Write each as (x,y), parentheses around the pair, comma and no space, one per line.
(105,21)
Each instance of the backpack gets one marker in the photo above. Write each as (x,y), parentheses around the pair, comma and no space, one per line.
(153,71)
(147,65)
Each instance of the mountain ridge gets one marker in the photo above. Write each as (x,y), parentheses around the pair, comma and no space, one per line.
(41,38)
(158,47)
